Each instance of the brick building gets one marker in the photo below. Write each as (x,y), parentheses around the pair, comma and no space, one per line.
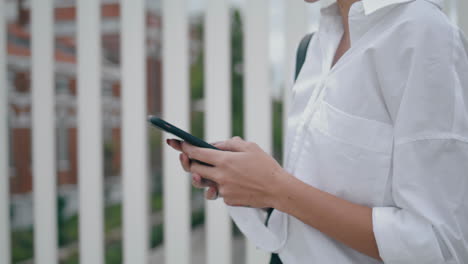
(19,64)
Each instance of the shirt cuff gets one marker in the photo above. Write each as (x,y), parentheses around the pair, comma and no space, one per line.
(251,223)
(403,237)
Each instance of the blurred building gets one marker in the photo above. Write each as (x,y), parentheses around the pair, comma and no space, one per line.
(19,69)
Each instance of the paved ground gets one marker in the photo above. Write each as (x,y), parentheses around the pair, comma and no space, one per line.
(198,249)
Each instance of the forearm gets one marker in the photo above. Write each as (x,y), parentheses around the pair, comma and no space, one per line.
(342,220)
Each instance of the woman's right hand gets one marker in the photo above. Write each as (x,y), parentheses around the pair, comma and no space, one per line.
(211,192)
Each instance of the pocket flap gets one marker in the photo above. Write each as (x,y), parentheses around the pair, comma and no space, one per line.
(350,129)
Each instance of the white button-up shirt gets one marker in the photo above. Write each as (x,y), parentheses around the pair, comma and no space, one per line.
(386,127)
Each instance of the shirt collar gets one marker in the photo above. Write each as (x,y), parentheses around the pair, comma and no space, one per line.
(370,6)
(362,16)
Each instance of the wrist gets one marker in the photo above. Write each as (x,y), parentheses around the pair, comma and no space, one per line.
(279,190)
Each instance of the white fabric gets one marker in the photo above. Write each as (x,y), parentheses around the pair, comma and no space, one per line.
(386,127)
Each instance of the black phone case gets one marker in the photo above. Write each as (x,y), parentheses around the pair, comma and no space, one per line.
(165,126)
(161,124)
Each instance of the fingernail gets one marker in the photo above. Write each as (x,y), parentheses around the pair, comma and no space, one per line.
(210,194)
(196,177)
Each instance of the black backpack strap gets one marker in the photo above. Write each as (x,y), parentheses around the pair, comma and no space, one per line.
(300,60)
(302,53)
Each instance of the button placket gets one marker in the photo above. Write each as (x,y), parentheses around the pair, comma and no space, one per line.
(311,109)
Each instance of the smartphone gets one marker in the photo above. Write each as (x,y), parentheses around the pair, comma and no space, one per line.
(165,126)
(191,139)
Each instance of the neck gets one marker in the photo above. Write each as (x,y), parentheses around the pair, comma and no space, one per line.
(345,43)
(345,6)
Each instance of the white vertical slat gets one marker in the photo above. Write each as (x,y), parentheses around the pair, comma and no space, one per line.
(134,134)
(218,119)
(90,132)
(296,28)
(257,92)
(43,133)
(5,247)
(176,110)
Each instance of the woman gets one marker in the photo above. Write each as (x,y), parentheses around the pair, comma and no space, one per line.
(377,145)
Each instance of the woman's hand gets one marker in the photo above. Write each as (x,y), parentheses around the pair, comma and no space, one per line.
(247,176)
(244,173)
(211,192)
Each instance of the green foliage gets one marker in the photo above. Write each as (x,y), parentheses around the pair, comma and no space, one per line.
(114,253)
(155,136)
(198,218)
(74,259)
(156,202)
(278,130)
(155,141)
(22,241)
(113,217)
(197,76)
(68,231)
(157,235)
(197,84)
(197,124)
(22,245)
(67,228)
(237,92)
(157,232)
(109,152)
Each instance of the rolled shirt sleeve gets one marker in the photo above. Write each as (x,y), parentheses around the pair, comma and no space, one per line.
(428,220)
(429,224)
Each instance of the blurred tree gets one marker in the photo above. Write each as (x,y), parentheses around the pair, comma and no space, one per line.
(237,92)
(61,204)
(197,77)
(197,83)
(278,130)
(237,75)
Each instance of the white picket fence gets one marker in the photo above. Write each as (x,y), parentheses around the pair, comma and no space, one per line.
(134,139)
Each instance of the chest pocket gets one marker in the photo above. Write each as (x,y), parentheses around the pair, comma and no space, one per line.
(351,155)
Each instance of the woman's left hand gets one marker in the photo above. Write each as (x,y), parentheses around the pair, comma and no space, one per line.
(245,174)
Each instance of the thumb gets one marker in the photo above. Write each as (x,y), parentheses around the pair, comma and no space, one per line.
(236,144)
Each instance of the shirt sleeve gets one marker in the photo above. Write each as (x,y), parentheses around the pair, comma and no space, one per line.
(429,220)
(429,224)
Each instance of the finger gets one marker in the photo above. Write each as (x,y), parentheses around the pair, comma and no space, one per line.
(206,155)
(175,144)
(211,193)
(206,172)
(216,143)
(236,144)
(185,161)
(197,181)
(208,183)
